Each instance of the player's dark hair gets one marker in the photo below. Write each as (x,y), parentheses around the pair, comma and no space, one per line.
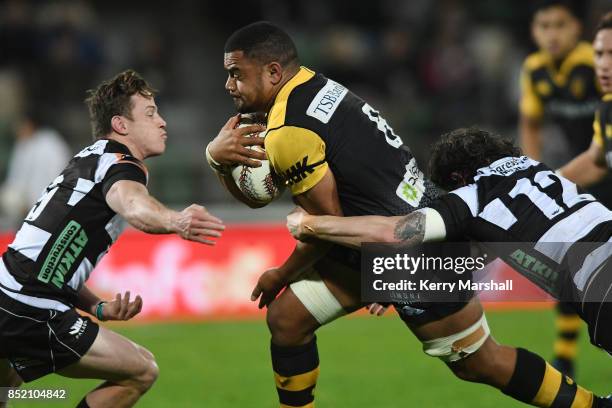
(540,5)
(605,23)
(458,154)
(264,42)
(112,98)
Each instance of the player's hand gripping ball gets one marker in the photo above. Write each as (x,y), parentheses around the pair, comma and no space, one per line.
(259,184)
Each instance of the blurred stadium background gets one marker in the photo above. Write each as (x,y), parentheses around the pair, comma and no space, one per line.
(427,65)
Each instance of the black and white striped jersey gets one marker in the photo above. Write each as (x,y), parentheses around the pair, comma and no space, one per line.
(517,199)
(69,229)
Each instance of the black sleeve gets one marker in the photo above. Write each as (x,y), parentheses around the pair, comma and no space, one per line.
(455,213)
(125,169)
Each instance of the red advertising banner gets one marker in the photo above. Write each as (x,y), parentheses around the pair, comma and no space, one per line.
(178,279)
(182,280)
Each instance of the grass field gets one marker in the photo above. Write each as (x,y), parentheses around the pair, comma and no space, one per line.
(365,362)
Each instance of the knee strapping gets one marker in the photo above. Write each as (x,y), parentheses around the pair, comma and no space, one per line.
(460,345)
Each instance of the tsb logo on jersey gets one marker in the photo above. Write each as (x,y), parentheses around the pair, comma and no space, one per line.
(326,101)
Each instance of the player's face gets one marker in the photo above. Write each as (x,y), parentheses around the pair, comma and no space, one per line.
(603,59)
(246,83)
(146,128)
(556,31)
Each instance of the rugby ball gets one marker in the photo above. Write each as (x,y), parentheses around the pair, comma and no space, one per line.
(258,184)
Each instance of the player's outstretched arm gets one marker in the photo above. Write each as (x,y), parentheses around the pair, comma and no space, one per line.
(587,168)
(132,201)
(418,226)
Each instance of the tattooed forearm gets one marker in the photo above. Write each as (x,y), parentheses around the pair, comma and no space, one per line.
(411,228)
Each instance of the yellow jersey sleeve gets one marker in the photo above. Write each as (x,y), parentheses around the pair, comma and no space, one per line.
(597,136)
(530,104)
(298,156)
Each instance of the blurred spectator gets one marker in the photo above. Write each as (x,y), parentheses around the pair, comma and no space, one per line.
(558,81)
(38,156)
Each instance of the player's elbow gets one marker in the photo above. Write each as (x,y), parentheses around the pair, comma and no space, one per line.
(130,211)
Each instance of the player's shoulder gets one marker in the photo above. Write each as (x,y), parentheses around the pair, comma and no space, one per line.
(582,54)
(294,92)
(535,60)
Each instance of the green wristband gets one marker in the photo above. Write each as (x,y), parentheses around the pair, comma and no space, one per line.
(99,308)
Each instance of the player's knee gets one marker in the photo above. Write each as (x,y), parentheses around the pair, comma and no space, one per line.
(148,372)
(284,327)
(483,366)
(278,320)
(464,352)
(472,369)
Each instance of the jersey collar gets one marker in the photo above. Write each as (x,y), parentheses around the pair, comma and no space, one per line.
(278,110)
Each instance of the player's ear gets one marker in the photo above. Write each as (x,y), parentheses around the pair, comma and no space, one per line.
(119,125)
(578,27)
(459,179)
(275,72)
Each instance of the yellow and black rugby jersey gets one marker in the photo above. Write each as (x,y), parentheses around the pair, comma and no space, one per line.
(602,128)
(567,94)
(316,124)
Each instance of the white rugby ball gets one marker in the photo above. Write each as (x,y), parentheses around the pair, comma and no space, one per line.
(258,184)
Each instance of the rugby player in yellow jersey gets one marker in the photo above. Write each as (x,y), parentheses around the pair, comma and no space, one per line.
(593,164)
(558,81)
(339,156)
(558,84)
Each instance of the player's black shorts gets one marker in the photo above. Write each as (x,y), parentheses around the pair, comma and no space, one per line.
(413,313)
(596,307)
(40,341)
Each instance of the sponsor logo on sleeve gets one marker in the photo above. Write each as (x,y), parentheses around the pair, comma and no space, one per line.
(299,171)
(413,185)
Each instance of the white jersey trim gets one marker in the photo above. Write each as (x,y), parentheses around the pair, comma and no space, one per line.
(469,195)
(30,240)
(591,262)
(80,275)
(104,163)
(571,229)
(498,214)
(82,188)
(9,281)
(505,167)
